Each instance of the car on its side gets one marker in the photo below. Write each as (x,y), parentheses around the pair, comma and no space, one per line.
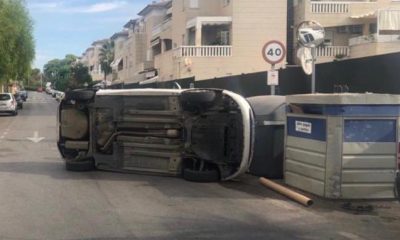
(8,104)
(203,135)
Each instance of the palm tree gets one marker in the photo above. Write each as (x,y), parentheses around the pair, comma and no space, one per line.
(106,57)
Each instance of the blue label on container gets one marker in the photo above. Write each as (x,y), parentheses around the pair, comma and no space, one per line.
(310,128)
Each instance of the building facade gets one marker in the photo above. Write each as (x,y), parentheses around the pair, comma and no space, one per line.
(206,39)
(91,59)
(214,38)
(353,28)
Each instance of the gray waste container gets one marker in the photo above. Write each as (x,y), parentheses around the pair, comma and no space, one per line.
(343,145)
(270,113)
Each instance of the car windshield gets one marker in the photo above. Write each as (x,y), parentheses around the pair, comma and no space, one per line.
(4,97)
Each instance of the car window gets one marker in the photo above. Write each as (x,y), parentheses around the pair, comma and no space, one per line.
(4,97)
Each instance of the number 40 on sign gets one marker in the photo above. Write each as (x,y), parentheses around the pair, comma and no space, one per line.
(274,52)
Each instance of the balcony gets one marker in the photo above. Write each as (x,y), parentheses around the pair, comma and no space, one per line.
(203,51)
(336,13)
(158,29)
(330,7)
(373,38)
(333,51)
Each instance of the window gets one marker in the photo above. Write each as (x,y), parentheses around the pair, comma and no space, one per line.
(373,28)
(4,97)
(224,37)
(356,29)
(194,3)
(341,29)
(167,44)
(329,36)
(121,65)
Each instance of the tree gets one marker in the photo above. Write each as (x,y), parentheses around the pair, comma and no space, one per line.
(17,48)
(106,57)
(34,79)
(66,73)
(80,76)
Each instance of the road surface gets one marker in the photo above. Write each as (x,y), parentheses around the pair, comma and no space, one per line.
(40,200)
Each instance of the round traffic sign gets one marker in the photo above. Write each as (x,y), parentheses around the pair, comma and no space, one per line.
(274,52)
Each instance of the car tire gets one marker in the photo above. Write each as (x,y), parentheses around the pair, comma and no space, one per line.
(81,166)
(15,113)
(80,95)
(196,99)
(201,176)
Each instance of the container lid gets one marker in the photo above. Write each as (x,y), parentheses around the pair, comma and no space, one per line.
(345,99)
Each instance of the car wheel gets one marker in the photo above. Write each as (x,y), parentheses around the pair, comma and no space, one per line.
(80,95)
(15,113)
(81,166)
(207,173)
(201,176)
(196,99)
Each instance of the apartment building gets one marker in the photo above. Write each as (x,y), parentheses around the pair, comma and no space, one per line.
(91,59)
(135,51)
(153,16)
(354,28)
(205,39)
(212,38)
(119,65)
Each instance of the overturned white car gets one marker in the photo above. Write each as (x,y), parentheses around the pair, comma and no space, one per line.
(202,135)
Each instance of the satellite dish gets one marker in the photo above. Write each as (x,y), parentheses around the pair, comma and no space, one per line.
(306,59)
(310,34)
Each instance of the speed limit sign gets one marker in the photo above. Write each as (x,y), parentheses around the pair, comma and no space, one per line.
(274,52)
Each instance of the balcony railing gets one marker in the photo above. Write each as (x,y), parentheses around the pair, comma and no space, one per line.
(337,7)
(333,51)
(161,27)
(330,7)
(373,38)
(204,51)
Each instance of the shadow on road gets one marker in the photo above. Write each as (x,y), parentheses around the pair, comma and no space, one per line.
(170,186)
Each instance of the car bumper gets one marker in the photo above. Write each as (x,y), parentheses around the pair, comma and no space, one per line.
(6,109)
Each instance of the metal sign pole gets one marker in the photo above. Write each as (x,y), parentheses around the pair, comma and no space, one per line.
(313,70)
(272,86)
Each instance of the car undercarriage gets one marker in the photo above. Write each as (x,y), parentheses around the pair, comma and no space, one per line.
(202,135)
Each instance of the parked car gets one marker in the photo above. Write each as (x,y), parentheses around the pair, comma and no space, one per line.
(203,135)
(59,95)
(23,94)
(20,101)
(49,90)
(8,104)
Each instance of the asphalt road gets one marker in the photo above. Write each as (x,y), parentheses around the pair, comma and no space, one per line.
(40,200)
